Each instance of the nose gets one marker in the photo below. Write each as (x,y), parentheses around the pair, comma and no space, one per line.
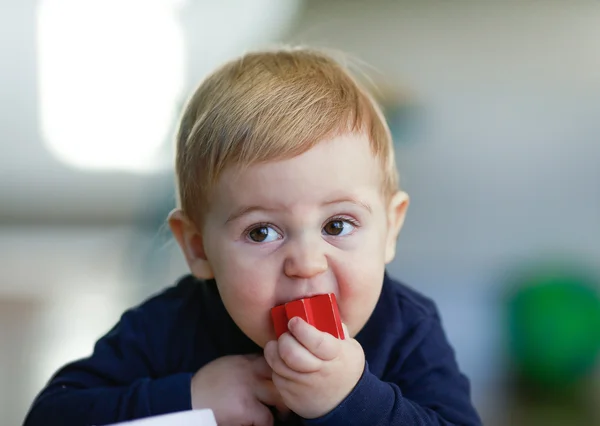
(305,259)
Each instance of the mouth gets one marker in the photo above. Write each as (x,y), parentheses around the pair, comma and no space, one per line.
(318,310)
(305,296)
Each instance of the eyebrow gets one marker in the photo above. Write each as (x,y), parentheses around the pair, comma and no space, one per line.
(244,211)
(251,209)
(351,200)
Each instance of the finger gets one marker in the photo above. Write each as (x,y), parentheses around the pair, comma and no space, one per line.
(296,356)
(259,415)
(276,363)
(322,345)
(270,352)
(266,392)
(261,368)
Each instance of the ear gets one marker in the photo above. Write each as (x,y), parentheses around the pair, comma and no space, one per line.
(396,214)
(191,243)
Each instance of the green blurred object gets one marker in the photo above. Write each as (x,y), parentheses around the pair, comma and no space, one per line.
(554,326)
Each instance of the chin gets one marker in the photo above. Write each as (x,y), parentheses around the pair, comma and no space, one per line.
(263,342)
(261,339)
(355,326)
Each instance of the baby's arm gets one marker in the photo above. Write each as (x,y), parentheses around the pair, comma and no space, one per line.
(424,388)
(122,380)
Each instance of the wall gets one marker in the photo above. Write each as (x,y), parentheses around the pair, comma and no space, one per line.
(503,166)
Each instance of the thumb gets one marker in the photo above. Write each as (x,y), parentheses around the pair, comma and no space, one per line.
(346,334)
(267,393)
(259,415)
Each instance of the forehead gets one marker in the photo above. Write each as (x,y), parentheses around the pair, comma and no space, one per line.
(343,165)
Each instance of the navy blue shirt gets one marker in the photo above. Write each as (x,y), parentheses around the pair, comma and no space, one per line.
(145,364)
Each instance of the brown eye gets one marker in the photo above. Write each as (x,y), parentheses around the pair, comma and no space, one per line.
(335,227)
(263,234)
(259,234)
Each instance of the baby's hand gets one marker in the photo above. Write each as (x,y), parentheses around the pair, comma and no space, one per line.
(238,389)
(313,370)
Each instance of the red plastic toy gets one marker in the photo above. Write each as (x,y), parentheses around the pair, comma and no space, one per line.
(320,311)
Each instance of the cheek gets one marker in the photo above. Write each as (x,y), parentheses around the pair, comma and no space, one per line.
(247,266)
(249,305)
(360,276)
(360,280)
(363,262)
(247,288)
(359,293)
(248,285)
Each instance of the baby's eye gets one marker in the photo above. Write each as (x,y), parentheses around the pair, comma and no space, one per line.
(263,234)
(338,227)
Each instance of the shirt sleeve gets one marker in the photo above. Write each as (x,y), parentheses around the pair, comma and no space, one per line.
(123,379)
(425,387)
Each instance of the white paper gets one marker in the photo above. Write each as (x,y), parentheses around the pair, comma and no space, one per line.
(183,418)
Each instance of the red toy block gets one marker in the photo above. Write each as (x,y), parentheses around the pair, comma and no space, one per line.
(300,308)
(320,311)
(280,320)
(326,315)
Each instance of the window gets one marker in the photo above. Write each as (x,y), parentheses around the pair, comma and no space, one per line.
(111,75)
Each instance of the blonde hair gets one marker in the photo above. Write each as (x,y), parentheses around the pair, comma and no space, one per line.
(268,106)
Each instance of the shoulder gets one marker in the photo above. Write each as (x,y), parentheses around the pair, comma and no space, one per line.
(184,290)
(170,322)
(187,297)
(403,318)
(410,302)
(400,310)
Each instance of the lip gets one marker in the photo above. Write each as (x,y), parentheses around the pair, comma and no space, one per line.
(305,296)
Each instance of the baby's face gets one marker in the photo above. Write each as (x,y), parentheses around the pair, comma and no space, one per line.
(285,230)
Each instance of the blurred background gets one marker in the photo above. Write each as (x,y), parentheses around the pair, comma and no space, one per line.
(494,108)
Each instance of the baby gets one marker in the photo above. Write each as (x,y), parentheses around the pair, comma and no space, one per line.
(287,189)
